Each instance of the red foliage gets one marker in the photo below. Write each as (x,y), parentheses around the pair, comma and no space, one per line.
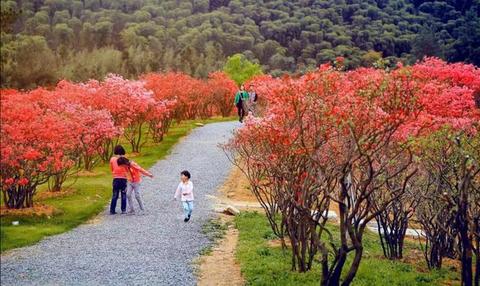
(446,96)
(45,133)
(221,90)
(33,144)
(329,129)
(422,98)
(183,89)
(193,97)
(130,104)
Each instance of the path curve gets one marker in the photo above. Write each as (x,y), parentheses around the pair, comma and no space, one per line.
(154,249)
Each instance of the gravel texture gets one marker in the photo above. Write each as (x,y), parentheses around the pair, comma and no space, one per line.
(152,249)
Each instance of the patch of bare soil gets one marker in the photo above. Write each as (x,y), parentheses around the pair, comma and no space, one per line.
(236,187)
(85,173)
(453,264)
(278,243)
(220,266)
(48,195)
(36,210)
(334,207)
(414,240)
(95,220)
(415,257)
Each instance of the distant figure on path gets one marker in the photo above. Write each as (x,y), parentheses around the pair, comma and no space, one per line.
(185,192)
(119,180)
(134,177)
(253,99)
(241,102)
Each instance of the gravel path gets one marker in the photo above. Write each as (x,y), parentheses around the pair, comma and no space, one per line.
(153,249)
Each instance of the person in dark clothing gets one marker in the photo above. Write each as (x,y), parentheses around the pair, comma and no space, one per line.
(241,102)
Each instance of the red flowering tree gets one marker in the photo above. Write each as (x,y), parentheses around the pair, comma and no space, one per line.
(57,135)
(160,119)
(447,130)
(221,90)
(193,97)
(333,137)
(93,128)
(201,100)
(132,106)
(325,131)
(48,134)
(91,96)
(33,146)
(182,88)
(264,86)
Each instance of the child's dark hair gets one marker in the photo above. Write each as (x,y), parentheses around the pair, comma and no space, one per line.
(123,161)
(118,150)
(186,174)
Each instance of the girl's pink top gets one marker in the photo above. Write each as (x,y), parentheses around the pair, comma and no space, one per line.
(185,191)
(118,172)
(136,173)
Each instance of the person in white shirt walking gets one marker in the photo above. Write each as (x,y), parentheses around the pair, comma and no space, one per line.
(252,97)
(185,192)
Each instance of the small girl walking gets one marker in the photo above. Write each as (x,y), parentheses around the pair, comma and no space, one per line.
(185,192)
(134,176)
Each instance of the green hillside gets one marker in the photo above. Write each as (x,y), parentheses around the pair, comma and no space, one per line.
(44,40)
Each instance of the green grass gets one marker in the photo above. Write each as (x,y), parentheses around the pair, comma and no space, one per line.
(91,195)
(262,264)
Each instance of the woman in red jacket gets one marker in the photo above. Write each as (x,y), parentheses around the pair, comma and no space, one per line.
(119,180)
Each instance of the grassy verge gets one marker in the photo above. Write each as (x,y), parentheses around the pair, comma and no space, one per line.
(263,264)
(92,193)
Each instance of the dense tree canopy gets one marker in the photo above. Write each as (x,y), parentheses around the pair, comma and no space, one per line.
(89,38)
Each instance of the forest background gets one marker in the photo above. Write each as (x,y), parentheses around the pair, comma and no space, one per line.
(43,41)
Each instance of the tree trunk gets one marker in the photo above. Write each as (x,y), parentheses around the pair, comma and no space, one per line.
(334,279)
(5,198)
(354,267)
(88,162)
(135,141)
(324,281)
(467,260)
(392,236)
(463,231)
(435,257)
(477,267)
(467,251)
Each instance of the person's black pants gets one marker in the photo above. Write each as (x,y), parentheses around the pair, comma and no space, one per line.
(241,112)
(119,186)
